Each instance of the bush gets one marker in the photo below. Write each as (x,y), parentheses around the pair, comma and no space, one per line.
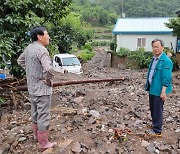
(173,58)
(123,52)
(142,57)
(113,46)
(85,55)
(87,46)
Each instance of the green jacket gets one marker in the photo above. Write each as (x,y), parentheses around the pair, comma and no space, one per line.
(162,76)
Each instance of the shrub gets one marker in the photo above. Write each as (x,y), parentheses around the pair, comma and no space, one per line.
(87,46)
(85,55)
(113,46)
(173,58)
(123,52)
(142,57)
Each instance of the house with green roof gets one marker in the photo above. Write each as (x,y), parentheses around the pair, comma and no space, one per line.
(134,33)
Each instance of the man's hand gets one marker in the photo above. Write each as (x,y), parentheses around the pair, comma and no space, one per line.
(163,94)
(48,82)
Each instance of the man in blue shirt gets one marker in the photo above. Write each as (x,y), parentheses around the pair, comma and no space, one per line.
(159,84)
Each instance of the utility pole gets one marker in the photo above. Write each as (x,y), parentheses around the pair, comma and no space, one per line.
(122,13)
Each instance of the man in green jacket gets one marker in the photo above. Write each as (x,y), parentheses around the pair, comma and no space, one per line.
(159,84)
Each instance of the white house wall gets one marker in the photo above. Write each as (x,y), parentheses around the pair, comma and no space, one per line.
(130,41)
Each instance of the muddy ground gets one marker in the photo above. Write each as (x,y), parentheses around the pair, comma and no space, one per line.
(101,118)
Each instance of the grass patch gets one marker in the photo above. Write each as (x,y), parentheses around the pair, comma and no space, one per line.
(85,55)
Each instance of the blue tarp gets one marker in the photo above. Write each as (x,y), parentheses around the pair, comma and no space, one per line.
(2,76)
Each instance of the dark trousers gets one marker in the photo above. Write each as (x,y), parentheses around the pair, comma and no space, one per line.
(156,108)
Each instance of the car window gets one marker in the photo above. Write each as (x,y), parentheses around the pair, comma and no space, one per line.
(70,61)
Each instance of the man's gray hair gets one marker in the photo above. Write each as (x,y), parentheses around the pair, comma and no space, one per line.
(157,40)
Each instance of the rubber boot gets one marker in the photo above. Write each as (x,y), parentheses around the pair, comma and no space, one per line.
(43,140)
(34,128)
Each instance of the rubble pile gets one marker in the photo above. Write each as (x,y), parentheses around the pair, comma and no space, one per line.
(101,118)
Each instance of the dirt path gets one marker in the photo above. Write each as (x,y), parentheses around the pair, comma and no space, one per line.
(85,116)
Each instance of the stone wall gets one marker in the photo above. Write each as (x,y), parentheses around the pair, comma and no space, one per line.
(121,62)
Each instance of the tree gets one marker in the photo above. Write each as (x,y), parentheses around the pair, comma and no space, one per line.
(16,17)
(72,30)
(175,24)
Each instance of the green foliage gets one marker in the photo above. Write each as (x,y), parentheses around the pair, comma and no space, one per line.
(1,100)
(173,58)
(141,8)
(103,36)
(113,46)
(86,55)
(175,25)
(17,17)
(106,12)
(123,52)
(95,14)
(53,48)
(72,30)
(87,46)
(141,57)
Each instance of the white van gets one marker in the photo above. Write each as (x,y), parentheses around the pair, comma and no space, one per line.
(67,63)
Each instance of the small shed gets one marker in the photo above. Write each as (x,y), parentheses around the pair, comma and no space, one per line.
(133,33)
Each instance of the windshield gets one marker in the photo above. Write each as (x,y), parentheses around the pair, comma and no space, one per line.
(70,61)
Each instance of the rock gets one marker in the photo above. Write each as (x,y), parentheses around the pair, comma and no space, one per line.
(151,149)
(140,134)
(76,147)
(92,120)
(177,130)
(84,150)
(15,144)
(94,113)
(78,99)
(63,130)
(27,106)
(27,129)
(48,151)
(178,151)
(82,111)
(61,151)
(1,138)
(80,93)
(169,119)
(163,147)
(66,143)
(22,139)
(137,123)
(110,130)
(103,128)
(12,125)
(144,143)
(120,151)
(4,148)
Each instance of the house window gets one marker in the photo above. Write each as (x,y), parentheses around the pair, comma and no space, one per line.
(141,42)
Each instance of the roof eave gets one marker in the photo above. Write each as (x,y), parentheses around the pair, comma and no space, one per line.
(150,33)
